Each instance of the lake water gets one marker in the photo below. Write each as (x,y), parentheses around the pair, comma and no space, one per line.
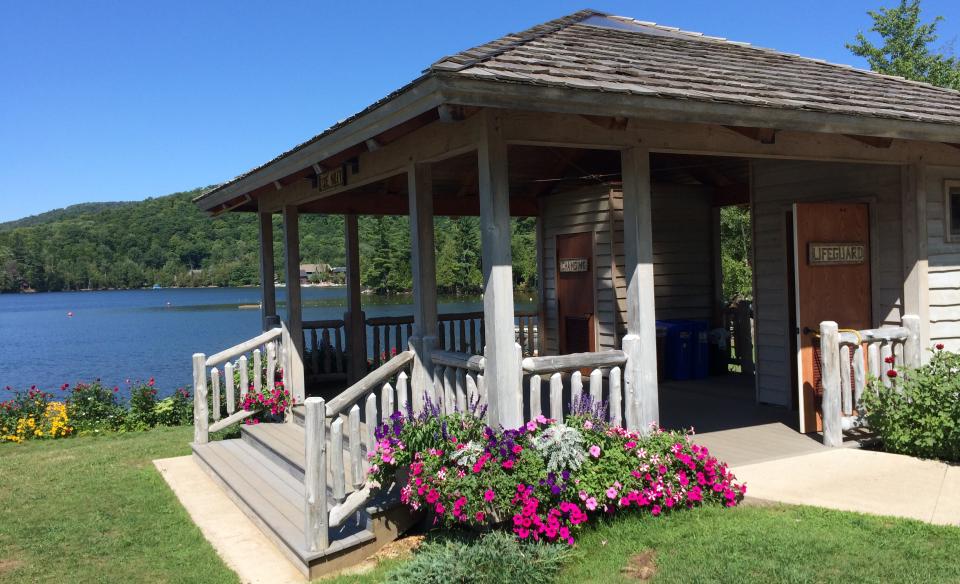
(138,334)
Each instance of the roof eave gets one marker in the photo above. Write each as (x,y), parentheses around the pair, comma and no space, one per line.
(419,97)
(523,96)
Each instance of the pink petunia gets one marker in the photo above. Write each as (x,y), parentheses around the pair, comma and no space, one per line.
(489,495)
(595,451)
(591,503)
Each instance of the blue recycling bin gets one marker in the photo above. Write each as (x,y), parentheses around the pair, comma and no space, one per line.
(679,344)
(687,349)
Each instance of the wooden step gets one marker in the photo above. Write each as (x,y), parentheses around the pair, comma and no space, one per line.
(285,445)
(275,501)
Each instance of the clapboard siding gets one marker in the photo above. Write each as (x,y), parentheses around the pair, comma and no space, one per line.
(777,184)
(683,284)
(943,259)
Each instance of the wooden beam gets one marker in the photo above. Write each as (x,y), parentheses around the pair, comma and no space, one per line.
(916,285)
(354,318)
(735,194)
(294,321)
(450,113)
(873,141)
(761,135)
(423,260)
(502,375)
(608,122)
(640,343)
(268,307)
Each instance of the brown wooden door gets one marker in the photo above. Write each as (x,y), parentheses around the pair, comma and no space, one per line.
(832,279)
(575,290)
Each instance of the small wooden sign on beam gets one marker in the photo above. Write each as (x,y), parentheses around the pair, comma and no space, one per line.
(836,254)
(331,179)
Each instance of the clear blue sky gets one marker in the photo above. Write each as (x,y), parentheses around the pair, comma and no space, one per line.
(124,100)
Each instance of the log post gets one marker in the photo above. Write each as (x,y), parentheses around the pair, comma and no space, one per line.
(911,346)
(831,403)
(502,372)
(201,420)
(916,286)
(268,291)
(640,342)
(291,247)
(315,475)
(424,339)
(354,319)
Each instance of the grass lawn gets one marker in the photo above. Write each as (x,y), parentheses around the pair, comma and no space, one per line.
(96,510)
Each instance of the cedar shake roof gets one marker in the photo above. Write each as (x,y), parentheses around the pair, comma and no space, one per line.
(594,51)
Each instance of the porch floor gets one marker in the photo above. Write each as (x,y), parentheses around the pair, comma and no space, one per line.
(727,420)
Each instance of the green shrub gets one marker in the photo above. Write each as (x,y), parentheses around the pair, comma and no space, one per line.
(919,415)
(175,410)
(95,408)
(493,558)
(143,402)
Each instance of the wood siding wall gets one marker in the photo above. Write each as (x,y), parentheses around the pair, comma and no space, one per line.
(682,240)
(776,186)
(944,263)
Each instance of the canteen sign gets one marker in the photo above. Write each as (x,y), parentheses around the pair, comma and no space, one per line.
(837,254)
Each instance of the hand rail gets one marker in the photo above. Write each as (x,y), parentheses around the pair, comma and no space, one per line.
(458,360)
(372,380)
(555,363)
(245,346)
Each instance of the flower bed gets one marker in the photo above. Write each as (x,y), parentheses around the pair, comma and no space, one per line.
(548,478)
(919,414)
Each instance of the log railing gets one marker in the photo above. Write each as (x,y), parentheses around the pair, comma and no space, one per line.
(846,360)
(324,342)
(332,451)
(389,336)
(251,364)
(458,384)
(552,371)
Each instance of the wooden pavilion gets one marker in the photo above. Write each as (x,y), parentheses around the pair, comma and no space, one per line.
(623,138)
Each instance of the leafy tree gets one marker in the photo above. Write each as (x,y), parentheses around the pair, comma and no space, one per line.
(906,49)
(735,244)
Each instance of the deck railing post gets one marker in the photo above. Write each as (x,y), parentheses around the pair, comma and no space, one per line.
(830,367)
(911,346)
(315,475)
(201,419)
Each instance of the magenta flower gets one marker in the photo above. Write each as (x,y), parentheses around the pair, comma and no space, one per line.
(595,451)
(489,495)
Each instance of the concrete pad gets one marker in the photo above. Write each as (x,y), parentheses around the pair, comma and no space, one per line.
(860,480)
(239,542)
(947,511)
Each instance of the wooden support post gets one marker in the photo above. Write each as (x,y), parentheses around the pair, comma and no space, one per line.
(640,343)
(315,475)
(916,286)
(830,363)
(291,249)
(911,347)
(541,340)
(354,320)
(201,420)
(268,306)
(424,339)
(502,372)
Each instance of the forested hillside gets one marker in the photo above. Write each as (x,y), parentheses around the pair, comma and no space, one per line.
(168,241)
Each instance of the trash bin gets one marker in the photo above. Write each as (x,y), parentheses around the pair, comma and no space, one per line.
(700,333)
(680,342)
(661,351)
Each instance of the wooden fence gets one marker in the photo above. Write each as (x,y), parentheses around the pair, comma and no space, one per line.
(848,357)
(325,341)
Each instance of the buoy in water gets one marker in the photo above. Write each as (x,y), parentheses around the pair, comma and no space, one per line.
(70,314)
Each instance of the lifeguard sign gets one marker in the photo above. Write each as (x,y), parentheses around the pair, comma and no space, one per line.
(836,254)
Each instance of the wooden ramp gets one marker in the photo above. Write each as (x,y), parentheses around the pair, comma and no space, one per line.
(263,473)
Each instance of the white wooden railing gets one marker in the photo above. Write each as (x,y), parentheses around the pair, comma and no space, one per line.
(844,369)
(553,369)
(326,460)
(457,381)
(268,352)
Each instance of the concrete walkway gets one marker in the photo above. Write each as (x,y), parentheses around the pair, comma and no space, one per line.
(850,479)
(239,542)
